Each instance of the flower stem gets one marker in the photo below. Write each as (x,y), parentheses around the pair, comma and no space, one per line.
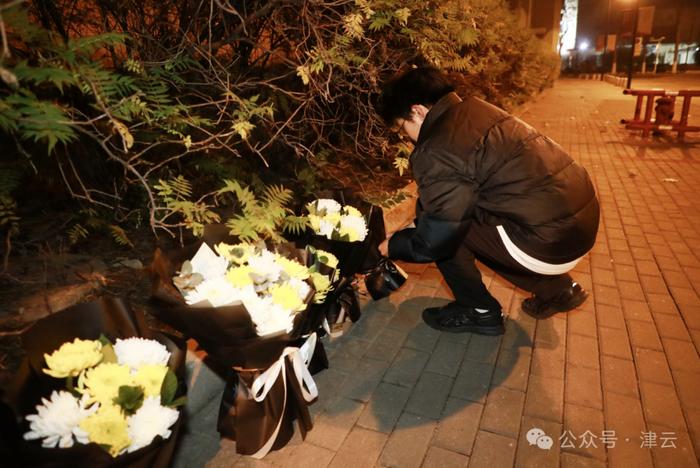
(69,384)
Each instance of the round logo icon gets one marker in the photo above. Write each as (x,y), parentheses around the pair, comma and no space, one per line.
(534,434)
(545,442)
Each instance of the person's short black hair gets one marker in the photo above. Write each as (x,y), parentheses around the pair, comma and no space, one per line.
(420,85)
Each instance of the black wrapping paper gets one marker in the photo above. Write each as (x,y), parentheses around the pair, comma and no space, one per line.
(113,318)
(228,336)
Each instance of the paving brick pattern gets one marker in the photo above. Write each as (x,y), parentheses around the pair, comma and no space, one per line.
(614,383)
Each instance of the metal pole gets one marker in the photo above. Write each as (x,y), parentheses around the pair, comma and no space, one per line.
(618,36)
(630,64)
(679,10)
(607,29)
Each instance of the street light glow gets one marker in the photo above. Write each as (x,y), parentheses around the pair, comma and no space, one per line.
(583,45)
(567,27)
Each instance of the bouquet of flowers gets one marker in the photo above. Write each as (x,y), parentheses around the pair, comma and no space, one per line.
(335,221)
(272,288)
(341,229)
(352,230)
(101,401)
(252,308)
(124,398)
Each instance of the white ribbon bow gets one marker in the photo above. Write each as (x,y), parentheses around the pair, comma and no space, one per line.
(262,385)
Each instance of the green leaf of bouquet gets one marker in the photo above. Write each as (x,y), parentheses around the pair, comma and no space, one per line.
(108,354)
(104,340)
(130,398)
(168,389)
(178,402)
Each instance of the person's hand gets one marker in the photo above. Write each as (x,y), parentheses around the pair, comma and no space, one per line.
(384,246)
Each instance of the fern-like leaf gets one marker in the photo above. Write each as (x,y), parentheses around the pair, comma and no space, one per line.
(379,22)
(119,235)
(177,188)
(57,76)
(295,224)
(8,213)
(277,194)
(242,228)
(244,195)
(77,233)
(87,45)
(41,121)
(10,179)
(401,164)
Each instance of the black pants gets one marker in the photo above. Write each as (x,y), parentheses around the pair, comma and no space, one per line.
(484,244)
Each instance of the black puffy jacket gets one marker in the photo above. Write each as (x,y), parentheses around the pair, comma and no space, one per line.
(473,162)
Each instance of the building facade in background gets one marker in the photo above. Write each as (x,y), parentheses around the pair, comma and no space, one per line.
(542,17)
(665,29)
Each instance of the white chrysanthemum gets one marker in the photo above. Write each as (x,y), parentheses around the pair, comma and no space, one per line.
(264,266)
(257,307)
(325,228)
(301,287)
(57,420)
(246,293)
(135,352)
(269,317)
(277,320)
(277,324)
(327,204)
(218,291)
(208,264)
(355,226)
(149,421)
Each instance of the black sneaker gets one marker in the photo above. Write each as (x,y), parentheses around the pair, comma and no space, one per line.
(455,318)
(569,299)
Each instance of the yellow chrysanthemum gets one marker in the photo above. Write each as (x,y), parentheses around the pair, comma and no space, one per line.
(333,218)
(351,210)
(108,426)
(322,284)
(315,222)
(240,276)
(150,378)
(236,253)
(293,268)
(349,231)
(286,296)
(327,258)
(72,358)
(102,383)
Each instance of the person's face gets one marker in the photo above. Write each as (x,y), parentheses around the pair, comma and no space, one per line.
(411,127)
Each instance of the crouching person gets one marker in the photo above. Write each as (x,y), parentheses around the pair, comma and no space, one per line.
(490,188)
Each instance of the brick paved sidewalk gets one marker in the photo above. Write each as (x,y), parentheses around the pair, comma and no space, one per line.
(615,383)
